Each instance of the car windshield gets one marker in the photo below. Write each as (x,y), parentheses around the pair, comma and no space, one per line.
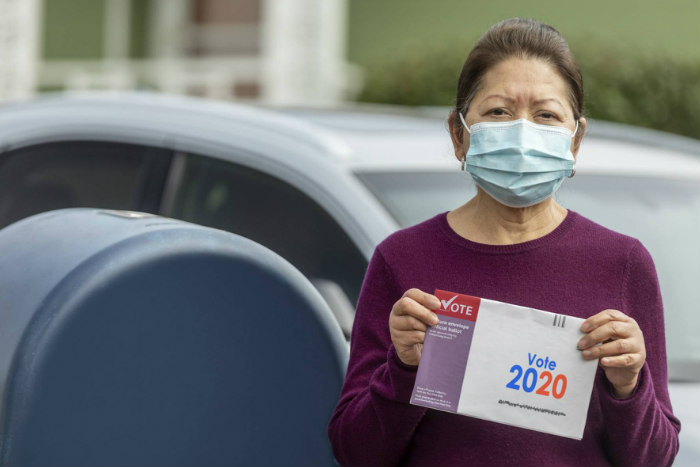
(663,214)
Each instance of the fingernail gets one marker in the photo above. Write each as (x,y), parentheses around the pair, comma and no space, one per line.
(435,320)
(585,327)
(587,353)
(436,303)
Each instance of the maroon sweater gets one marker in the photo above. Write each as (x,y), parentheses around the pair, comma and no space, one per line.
(578,269)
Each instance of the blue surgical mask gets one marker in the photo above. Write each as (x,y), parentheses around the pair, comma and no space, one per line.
(519,163)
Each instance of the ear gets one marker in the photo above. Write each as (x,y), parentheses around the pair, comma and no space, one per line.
(460,137)
(576,143)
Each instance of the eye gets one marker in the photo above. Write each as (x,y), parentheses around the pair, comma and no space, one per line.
(498,112)
(547,116)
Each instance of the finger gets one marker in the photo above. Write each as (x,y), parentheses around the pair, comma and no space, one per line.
(429,301)
(409,338)
(609,331)
(601,318)
(614,348)
(628,360)
(409,323)
(408,306)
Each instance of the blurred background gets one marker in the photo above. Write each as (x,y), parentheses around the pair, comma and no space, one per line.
(640,59)
(335,167)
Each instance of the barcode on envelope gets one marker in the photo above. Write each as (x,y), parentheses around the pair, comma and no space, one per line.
(559,321)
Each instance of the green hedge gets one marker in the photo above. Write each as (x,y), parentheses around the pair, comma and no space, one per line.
(652,92)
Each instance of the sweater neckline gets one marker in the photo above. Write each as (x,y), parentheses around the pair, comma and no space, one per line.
(544,240)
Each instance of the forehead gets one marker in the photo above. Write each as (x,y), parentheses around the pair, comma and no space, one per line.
(524,78)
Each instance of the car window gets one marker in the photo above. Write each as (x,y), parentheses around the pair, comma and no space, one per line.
(414,196)
(273,213)
(59,175)
(663,214)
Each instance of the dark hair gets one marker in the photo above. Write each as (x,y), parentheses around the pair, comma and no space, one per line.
(521,38)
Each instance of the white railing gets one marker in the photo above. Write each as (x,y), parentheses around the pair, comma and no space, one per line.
(213,77)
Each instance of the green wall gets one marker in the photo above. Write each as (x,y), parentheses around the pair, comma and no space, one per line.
(72,29)
(381,28)
(139,26)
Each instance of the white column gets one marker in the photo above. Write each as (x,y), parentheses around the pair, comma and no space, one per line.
(303,51)
(333,73)
(19,47)
(117,29)
(169,20)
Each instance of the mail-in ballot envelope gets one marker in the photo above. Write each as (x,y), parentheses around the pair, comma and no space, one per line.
(505,363)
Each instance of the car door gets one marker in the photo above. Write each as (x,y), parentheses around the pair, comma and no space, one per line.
(278,215)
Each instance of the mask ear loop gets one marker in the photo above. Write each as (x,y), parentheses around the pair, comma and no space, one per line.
(461,117)
(575,130)
(464,157)
(573,169)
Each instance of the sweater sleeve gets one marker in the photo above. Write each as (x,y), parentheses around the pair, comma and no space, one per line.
(373,422)
(642,430)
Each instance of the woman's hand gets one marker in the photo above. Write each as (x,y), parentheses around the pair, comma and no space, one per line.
(409,319)
(622,351)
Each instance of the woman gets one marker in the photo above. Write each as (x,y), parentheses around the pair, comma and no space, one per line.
(517,128)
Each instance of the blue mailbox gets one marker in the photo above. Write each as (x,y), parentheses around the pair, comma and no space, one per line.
(131,339)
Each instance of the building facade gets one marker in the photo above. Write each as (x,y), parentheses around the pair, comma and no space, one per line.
(284,52)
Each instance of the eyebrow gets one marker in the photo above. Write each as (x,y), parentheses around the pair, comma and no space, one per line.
(506,98)
(549,99)
(538,101)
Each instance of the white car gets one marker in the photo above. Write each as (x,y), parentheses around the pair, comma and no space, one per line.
(323,187)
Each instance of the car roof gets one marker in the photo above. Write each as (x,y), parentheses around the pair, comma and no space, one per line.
(359,137)
(384,137)
(132,114)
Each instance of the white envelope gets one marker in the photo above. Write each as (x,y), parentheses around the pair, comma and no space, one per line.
(506,363)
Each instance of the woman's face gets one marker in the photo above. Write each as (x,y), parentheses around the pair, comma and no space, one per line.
(520,88)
